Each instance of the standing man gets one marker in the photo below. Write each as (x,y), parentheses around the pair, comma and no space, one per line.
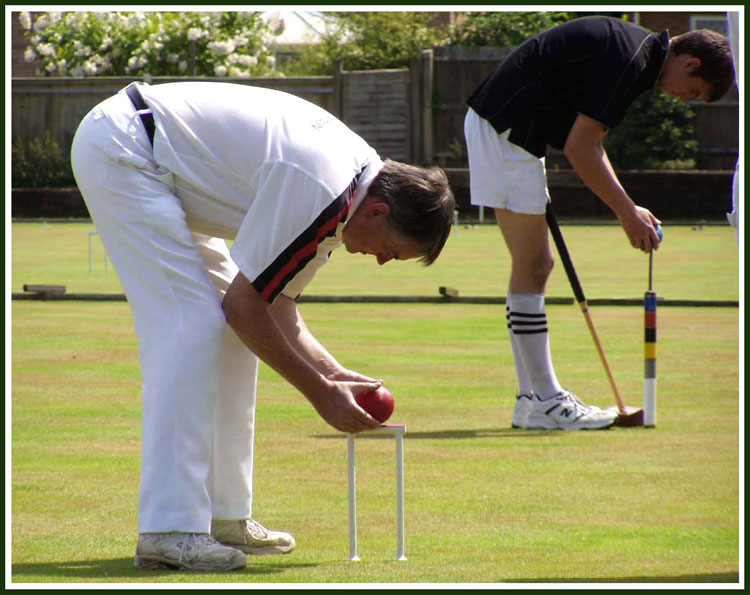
(168,172)
(566,87)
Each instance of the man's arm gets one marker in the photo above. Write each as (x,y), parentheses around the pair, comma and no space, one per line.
(289,319)
(250,316)
(584,148)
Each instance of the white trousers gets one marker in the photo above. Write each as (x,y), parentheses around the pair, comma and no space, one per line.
(199,379)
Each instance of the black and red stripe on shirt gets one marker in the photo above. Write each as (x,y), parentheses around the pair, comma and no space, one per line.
(302,249)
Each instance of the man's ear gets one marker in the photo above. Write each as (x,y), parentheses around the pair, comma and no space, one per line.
(376,207)
(692,64)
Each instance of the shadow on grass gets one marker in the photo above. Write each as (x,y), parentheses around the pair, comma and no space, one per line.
(123,569)
(452,434)
(715,577)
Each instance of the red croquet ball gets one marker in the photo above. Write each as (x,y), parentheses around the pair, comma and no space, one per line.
(378,403)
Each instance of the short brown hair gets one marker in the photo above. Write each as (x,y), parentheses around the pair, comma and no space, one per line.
(422,205)
(712,49)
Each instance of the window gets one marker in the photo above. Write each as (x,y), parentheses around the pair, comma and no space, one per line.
(715,23)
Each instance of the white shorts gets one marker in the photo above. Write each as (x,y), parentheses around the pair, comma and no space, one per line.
(503,175)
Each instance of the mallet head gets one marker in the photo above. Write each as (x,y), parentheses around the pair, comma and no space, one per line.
(631,417)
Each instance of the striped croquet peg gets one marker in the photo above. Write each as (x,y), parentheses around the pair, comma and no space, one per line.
(649,378)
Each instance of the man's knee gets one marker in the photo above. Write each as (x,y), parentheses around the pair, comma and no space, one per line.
(541,268)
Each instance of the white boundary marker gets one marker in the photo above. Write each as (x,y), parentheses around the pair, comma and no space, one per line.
(397,431)
(91,253)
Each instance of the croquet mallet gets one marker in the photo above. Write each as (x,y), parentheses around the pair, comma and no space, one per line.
(627,416)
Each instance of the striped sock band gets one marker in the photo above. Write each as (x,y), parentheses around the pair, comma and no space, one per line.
(526,323)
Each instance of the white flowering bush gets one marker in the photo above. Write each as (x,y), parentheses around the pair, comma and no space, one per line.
(84,44)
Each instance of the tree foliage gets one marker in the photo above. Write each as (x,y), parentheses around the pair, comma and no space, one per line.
(367,41)
(503,29)
(657,133)
(39,163)
(82,44)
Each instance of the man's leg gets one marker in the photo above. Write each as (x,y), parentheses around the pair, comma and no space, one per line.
(231,479)
(179,323)
(513,182)
(527,238)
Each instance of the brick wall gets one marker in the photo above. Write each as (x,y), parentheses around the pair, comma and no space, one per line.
(676,22)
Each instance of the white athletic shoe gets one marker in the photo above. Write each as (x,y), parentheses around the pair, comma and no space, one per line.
(185,551)
(521,411)
(566,411)
(581,403)
(250,537)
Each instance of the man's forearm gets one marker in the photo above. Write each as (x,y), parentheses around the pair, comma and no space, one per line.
(250,317)
(593,167)
(289,319)
(584,148)
(268,333)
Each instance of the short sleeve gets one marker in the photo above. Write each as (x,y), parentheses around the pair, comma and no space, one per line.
(295,286)
(291,215)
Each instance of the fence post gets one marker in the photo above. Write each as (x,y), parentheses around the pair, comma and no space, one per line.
(427,91)
(338,89)
(415,111)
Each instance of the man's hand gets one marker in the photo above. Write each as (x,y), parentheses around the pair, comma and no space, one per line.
(640,228)
(344,375)
(339,409)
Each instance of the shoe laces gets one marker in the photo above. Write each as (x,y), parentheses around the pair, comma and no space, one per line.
(194,541)
(569,396)
(256,530)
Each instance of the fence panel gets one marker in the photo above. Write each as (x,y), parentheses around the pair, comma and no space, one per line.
(58,105)
(377,106)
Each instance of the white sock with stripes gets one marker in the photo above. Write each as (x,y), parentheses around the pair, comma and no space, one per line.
(527,322)
(524,382)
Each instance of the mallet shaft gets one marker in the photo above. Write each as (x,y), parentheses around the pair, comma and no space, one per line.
(575,284)
(603,357)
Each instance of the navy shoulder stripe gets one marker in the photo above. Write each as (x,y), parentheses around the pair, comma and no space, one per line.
(303,248)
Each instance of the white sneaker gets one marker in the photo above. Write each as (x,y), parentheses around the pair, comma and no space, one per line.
(566,411)
(251,537)
(185,551)
(521,411)
(581,403)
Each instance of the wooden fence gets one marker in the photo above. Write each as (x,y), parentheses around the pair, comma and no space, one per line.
(413,115)
(383,106)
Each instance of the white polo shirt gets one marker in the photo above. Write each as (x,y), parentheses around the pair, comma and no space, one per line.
(272,171)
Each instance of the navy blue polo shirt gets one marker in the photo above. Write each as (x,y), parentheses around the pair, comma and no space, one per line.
(594,65)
